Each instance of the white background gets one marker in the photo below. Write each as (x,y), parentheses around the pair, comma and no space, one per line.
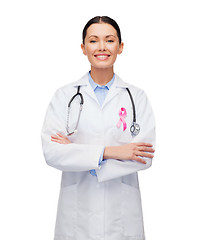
(40,52)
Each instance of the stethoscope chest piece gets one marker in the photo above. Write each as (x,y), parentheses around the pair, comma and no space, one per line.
(135,129)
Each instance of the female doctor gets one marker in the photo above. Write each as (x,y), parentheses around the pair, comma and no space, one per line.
(88,134)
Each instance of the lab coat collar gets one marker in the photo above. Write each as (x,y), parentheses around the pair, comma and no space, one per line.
(115,88)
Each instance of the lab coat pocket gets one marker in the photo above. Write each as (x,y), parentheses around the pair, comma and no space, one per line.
(66,211)
(131,211)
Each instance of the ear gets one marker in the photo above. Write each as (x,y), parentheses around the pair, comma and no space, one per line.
(121,46)
(83,49)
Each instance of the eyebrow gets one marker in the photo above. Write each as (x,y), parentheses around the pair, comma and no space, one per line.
(106,36)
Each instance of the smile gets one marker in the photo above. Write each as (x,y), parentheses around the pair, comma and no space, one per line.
(102,56)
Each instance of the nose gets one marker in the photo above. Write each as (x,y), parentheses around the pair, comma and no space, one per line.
(102,46)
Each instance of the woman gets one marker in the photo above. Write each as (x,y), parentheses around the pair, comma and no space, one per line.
(98,155)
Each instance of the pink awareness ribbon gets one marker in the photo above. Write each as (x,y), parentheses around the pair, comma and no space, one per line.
(122,115)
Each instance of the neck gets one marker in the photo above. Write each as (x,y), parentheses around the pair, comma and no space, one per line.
(102,76)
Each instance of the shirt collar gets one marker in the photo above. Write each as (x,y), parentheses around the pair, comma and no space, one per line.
(94,85)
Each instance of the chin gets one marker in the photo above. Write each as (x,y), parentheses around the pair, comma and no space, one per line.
(102,65)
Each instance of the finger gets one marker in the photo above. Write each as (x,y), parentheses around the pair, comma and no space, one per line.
(61,135)
(58,141)
(140,160)
(144,144)
(68,141)
(55,140)
(144,154)
(146,149)
(55,137)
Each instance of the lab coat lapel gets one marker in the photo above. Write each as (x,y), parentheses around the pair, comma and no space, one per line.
(86,87)
(88,90)
(114,89)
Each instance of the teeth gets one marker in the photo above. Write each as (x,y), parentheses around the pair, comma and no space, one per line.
(102,56)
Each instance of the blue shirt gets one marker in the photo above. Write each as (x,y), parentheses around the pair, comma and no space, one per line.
(101,93)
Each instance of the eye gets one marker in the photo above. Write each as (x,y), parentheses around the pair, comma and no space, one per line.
(110,41)
(92,41)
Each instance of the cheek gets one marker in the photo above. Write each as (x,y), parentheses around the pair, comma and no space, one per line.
(90,50)
(114,49)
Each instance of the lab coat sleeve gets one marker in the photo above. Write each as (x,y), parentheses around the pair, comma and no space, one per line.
(65,157)
(114,168)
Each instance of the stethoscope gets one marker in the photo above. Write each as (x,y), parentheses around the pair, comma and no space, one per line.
(134,129)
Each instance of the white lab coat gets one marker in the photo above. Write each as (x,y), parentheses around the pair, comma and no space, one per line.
(106,207)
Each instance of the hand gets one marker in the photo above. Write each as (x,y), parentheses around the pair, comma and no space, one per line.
(131,151)
(60,138)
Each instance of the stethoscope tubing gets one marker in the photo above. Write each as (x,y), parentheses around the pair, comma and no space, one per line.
(133,105)
(134,129)
(77,94)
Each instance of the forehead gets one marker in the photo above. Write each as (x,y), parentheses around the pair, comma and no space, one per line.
(101,29)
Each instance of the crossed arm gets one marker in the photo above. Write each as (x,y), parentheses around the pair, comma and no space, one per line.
(131,151)
(121,160)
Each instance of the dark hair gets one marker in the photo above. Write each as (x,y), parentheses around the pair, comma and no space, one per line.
(99,19)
